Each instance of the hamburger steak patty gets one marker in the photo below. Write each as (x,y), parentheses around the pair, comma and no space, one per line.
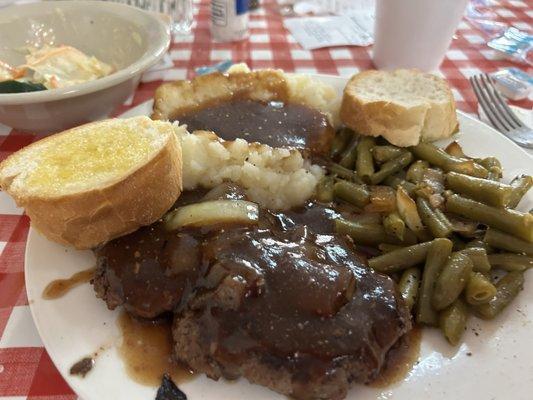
(286,303)
(291,310)
(149,271)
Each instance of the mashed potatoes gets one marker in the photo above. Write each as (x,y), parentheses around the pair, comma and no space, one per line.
(276,178)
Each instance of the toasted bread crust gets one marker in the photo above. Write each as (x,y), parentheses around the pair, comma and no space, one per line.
(402,126)
(89,218)
(177,98)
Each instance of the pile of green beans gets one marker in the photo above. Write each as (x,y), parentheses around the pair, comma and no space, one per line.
(453,225)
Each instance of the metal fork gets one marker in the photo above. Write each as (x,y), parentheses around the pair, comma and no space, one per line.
(498,112)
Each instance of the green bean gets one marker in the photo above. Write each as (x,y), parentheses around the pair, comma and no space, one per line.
(511,262)
(371,235)
(391,167)
(443,160)
(452,321)
(324,190)
(364,164)
(386,248)
(469,167)
(504,241)
(385,153)
(507,288)
(344,173)
(416,170)
(489,192)
(437,255)
(438,225)
(521,185)
(408,286)
(510,221)
(394,225)
(441,216)
(480,243)
(353,193)
(489,163)
(341,141)
(396,182)
(479,289)
(367,218)
(479,258)
(400,259)
(452,280)
(493,165)
(348,156)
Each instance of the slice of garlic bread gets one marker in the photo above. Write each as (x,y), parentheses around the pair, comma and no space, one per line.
(95,182)
(404,106)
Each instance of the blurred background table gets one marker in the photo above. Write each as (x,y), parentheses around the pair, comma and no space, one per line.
(26,371)
(271,46)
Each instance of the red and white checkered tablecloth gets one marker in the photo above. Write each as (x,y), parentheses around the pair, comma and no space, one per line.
(26,371)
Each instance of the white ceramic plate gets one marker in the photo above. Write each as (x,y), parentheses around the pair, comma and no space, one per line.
(499,365)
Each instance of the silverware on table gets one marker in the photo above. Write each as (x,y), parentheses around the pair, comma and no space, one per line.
(498,112)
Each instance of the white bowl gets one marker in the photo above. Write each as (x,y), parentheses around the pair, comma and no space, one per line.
(128,38)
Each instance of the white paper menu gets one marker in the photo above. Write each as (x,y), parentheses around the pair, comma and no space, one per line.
(355,29)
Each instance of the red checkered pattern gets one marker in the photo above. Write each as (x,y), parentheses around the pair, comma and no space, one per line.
(26,371)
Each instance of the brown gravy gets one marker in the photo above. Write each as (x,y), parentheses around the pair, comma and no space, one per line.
(400,360)
(316,320)
(274,123)
(146,351)
(60,287)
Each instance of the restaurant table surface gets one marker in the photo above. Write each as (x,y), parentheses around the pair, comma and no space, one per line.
(26,370)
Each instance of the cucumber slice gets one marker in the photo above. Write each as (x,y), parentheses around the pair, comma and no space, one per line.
(13,86)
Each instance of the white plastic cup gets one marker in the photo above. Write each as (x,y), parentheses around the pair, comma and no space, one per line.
(414,33)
